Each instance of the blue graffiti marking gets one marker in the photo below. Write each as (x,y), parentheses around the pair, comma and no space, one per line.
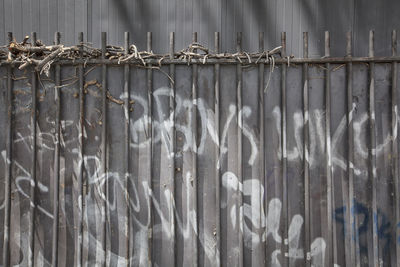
(380,222)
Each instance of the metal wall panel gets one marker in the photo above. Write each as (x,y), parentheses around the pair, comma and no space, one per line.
(206,17)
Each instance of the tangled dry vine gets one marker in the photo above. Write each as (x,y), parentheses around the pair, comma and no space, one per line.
(42,56)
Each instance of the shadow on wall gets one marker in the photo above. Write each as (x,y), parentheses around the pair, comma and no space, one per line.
(205,17)
(269,16)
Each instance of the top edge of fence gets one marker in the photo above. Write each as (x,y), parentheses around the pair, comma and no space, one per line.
(42,56)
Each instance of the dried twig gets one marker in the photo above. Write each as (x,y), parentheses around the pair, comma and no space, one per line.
(43,56)
(48,59)
(113,99)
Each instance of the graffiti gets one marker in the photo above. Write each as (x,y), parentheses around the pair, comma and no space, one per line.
(381,222)
(206,125)
(255,218)
(271,222)
(317,139)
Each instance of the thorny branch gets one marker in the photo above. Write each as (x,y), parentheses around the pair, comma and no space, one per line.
(42,56)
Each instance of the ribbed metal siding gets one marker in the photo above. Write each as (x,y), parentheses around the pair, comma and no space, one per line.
(206,17)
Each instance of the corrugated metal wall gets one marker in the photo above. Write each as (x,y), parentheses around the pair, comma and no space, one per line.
(206,17)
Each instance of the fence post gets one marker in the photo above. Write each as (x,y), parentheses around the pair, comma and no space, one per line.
(54,259)
(81,150)
(218,175)
(104,146)
(127,100)
(261,67)
(284,246)
(7,185)
(329,183)
(372,151)
(395,154)
(173,142)
(150,131)
(33,163)
(307,235)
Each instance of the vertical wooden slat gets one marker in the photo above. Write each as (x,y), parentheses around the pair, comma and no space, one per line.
(217,151)
(307,234)
(81,154)
(54,258)
(329,190)
(395,154)
(194,158)
(261,68)
(7,185)
(127,99)
(372,151)
(284,217)
(173,146)
(351,218)
(239,85)
(33,165)
(346,202)
(104,147)
(150,131)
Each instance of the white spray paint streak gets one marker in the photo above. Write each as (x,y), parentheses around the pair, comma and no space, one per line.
(276,113)
(351,112)
(273,220)
(246,112)
(223,148)
(294,234)
(274,258)
(318,247)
